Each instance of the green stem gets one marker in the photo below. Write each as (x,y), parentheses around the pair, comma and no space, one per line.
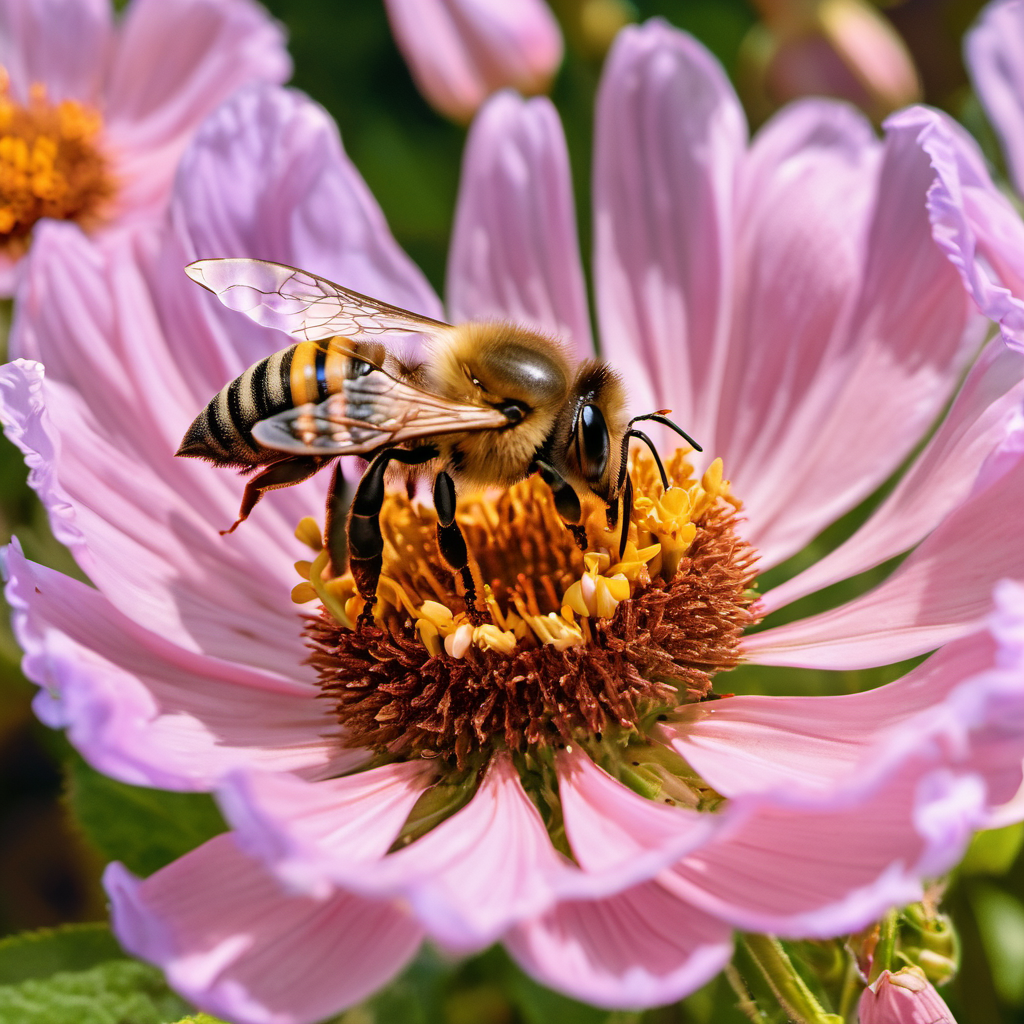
(886,948)
(788,988)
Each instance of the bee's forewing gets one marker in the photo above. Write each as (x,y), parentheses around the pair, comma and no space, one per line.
(371,411)
(302,304)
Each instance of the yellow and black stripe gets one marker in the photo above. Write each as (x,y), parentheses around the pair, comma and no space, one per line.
(306,372)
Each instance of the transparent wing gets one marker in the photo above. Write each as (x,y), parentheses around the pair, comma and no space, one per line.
(302,304)
(370,411)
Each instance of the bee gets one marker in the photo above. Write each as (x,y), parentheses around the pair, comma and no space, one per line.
(492,404)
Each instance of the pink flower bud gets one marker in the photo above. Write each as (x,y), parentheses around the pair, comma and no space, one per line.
(906,997)
(842,48)
(460,51)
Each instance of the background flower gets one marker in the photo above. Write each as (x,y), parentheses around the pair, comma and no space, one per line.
(95,113)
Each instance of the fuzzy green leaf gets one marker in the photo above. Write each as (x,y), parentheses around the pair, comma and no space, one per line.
(143,828)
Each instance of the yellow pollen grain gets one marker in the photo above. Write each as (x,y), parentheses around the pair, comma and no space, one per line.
(51,165)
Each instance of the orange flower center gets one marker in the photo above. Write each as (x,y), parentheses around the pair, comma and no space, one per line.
(51,165)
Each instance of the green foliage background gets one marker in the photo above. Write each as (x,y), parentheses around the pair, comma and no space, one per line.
(60,821)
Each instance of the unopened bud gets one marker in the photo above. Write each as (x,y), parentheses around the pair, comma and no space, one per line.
(906,997)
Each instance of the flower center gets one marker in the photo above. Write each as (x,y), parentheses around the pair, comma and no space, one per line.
(50,165)
(573,644)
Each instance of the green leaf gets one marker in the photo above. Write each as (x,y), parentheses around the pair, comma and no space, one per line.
(115,992)
(1000,917)
(73,947)
(993,851)
(143,828)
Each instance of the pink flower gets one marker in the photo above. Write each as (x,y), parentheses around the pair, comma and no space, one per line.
(906,997)
(95,115)
(984,235)
(792,299)
(461,51)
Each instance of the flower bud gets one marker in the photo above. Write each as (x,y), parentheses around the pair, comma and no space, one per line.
(841,48)
(906,997)
(460,51)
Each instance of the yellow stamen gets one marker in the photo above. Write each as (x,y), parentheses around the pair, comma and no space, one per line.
(596,595)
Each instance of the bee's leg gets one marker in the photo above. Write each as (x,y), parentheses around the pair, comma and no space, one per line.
(450,541)
(567,503)
(335,537)
(280,474)
(365,541)
(627,512)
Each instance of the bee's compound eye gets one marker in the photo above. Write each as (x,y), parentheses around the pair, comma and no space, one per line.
(592,442)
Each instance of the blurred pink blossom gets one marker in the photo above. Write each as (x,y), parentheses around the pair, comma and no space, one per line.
(906,997)
(137,87)
(794,298)
(987,238)
(461,51)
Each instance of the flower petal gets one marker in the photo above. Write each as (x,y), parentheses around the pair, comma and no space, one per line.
(978,227)
(940,478)
(102,431)
(900,354)
(60,44)
(145,711)
(175,62)
(942,591)
(234,943)
(514,253)
(460,51)
(809,868)
(334,829)
(994,49)
(669,137)
(641,948)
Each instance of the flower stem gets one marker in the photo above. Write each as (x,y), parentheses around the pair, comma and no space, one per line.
(886,948)
(789,990)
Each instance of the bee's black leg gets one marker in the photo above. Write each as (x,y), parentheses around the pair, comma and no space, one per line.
(567,503)
(335,537)
(627,512)
(365,541)
(280,474)
(450,541)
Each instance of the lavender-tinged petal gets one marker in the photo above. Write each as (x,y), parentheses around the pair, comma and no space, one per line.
(514,253)
(669,138)
(231,940)
(994,51)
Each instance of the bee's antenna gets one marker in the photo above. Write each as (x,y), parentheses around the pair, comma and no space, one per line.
(627,511)
(641,436)
(660,417)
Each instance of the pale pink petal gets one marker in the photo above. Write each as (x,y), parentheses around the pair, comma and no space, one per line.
(952,704)
(943,590)
(669,137)
(141,523)
(612,829)
(175,62)
(939,479)
(641,948)
(514,253)
(60,44)
(146,711)
(978,227)
(800,866)
(460,51)
(804,201)
(903,348)
(233,942)
(994,49)
(315,834)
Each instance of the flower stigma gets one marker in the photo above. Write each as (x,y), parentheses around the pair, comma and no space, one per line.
(568,648)
(51,165)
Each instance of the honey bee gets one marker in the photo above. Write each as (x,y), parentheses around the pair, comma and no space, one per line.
(493,403)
